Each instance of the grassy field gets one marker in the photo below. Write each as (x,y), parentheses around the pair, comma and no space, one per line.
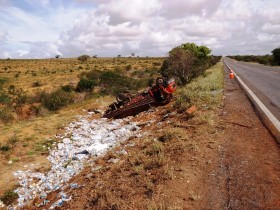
(25,140)
(33,75)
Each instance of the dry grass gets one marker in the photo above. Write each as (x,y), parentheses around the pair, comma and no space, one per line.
(27,141)
(50,74)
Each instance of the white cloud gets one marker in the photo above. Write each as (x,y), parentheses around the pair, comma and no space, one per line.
(25,27)
(270,28)
(146,27)
(181,8)
(4,2)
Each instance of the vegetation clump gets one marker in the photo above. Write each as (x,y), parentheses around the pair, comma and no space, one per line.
(187,61)
(9,197)
(6,115)
(273,60)
(85,85)
(276,56)
(83,58)
(57,99)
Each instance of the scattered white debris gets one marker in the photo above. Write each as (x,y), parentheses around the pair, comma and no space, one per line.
(113,160)
(82,140)
(122,152)
(97,168)
(2,205)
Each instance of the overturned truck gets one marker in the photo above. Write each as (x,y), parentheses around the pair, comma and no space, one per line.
(128,104)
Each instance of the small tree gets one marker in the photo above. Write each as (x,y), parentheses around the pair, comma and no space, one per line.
(57,56)
(83,58)
(276,55)
(186,62)
(178,65)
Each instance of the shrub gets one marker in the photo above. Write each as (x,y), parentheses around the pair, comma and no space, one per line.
(6,115)
(38,97)
(36,84)
(276,55)
(113,83)
(4,98)
(157,63)
(109,82)
(57,100)
(128,67)
(83,58)
(119,70)
(68,88)
(20,98)
(3,81)
(5,148)
(186,62)
(92,75)
(85,85)
(9,197)
(178,65)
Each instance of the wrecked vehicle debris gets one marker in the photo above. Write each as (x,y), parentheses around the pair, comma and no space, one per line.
(128,104)
(83,141)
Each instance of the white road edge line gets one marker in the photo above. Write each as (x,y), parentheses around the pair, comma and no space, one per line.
(263,108)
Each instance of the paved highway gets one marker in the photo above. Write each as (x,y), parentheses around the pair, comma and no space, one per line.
(264,81)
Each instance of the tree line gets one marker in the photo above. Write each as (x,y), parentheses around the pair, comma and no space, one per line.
(273,60)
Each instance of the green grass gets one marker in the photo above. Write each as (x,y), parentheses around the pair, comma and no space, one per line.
(205,92)
(9,197)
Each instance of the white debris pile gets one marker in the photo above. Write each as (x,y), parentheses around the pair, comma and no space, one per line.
(2,204)
(87,139)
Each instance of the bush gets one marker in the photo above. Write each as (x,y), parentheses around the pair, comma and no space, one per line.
(5,148)
(109,82)
(119,70)
(85,85)
(6,115)
(178,65)
(5,99)
(92,75)
(9,197)
(58,99)
(128,67)
(186,62)
(36,84)
(83,58)
(3,81)
(67,88)
(113,83)
(20,99)
(276,56)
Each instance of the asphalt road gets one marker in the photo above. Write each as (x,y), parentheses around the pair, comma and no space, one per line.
(264,81)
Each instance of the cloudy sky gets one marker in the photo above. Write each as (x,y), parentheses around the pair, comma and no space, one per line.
(45,28)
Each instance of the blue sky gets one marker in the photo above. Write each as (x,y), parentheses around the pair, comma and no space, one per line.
(45,28)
